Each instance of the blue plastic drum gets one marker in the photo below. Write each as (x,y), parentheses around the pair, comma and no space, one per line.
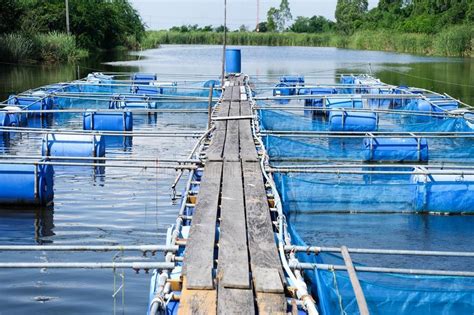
(396,149)
(233,61)
(352,121)
(73,145)
(122,121)
(26,184)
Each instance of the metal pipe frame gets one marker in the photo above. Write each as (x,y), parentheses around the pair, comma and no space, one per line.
(154,134)
(81,158)
(426,272)
(87,265)
(362,134)
(364,110)
(83,248)
(323,249)
(338,171)
(153,166)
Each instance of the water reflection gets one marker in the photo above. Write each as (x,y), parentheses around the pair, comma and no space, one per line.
(26,225)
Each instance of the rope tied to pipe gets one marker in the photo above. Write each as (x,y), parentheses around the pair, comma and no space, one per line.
(339,297)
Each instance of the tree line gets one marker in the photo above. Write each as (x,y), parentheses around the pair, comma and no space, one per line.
(95,23)
(410,16)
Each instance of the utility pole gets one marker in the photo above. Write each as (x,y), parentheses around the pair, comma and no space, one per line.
(257,28)
(225,43)
(67,18)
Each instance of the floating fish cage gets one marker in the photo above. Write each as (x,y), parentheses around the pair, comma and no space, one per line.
(369,148)
(377,156)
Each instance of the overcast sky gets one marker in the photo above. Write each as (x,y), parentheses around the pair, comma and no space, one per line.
(162,14)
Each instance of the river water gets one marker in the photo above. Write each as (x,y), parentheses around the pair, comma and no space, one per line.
(135,207)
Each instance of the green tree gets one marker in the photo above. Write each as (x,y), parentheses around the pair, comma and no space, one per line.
(315,24)
(350,14)
(277,19)
(272,18)
(262,27)
(9,13)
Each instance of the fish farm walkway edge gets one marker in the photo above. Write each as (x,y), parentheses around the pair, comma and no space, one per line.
(231,262)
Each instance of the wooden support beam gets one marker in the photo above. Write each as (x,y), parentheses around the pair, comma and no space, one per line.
(359,294)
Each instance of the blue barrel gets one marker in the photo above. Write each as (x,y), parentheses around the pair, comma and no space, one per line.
(4,119)
(233,61)
(16,118)
(143,78)
(108,121)
(447,105)
(73,145)
(282,89)
(147,90)
(31,102)
(26,184)
(131,102)
(344,103)
(352,121)
(318,102)
(347,79)
(209,83)
(292,80)
(443,193)
(396,149)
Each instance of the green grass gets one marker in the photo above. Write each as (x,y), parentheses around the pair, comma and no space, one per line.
(51,47)
(454,41)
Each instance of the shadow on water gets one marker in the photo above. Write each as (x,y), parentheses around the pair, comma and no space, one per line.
(16,78)
(30,224)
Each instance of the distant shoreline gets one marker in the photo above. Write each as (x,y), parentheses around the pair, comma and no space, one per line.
(455,41)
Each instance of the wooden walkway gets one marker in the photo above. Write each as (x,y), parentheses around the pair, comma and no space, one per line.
(231,262)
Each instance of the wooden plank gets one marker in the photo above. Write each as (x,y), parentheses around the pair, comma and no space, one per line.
(263,252)
(216,148)
(248,152)
(245,109)
(267,280)
(199,253)
(227,94)
(197,302)
(235,301)
(231,150)
(359,294)
(236,93)
(233,270)
(271,303)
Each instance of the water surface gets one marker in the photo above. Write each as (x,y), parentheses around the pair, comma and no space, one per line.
(134,206)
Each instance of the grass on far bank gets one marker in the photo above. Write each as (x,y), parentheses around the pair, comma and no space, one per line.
(51,47)
(456,41)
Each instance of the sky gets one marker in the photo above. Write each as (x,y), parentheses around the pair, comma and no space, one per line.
(163,14)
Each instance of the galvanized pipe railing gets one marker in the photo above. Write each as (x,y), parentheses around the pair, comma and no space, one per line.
(84,248)
(426,272)
(152,166)
(143,133)
(362,134)
(324,249)
(83,158)
(87,265)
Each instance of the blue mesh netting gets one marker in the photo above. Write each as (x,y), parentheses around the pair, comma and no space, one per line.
(298,121)
(322,148)
(385,293)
